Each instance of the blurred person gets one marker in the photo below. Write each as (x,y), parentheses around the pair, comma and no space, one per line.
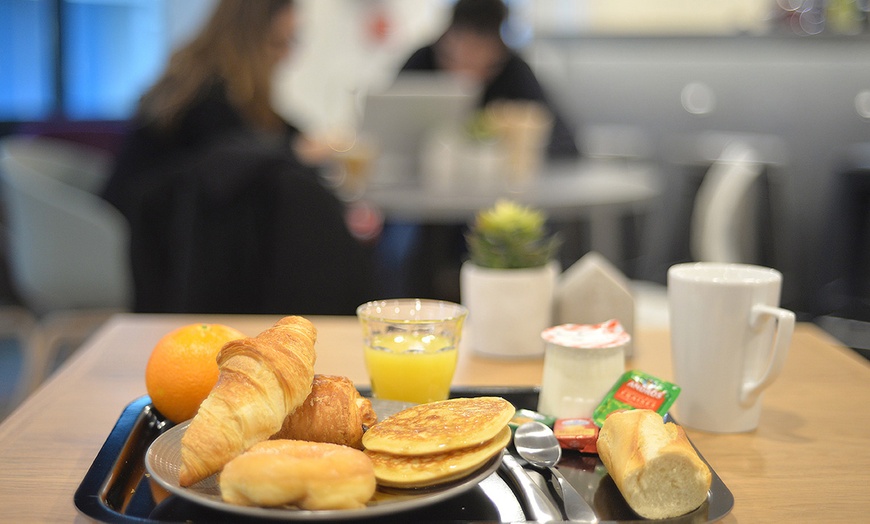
(219,82)
(225,216)
(472,47)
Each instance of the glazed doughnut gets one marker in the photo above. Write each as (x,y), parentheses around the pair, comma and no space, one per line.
(308,475)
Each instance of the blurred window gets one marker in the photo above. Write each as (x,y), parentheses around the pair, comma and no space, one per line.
(111,50)
(79,59)
(27,59)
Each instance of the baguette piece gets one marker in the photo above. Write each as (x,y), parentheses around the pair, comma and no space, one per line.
(653,464)
(262,380)
(334,412)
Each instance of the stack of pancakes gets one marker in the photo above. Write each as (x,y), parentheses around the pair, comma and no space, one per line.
(438,442)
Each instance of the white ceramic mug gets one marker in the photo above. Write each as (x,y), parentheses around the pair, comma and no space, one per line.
(729,341)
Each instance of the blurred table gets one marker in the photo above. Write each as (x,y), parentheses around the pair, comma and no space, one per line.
(806,462)
(600,191)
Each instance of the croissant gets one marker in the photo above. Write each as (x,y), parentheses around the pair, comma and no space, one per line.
(262,380)
(334,412)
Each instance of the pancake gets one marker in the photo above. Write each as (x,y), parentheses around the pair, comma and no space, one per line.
(417,471)
(439,427)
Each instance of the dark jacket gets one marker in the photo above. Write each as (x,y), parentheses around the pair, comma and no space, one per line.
(516,81)
(225,220)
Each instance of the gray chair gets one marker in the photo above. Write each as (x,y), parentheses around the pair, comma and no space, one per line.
(724,223)
(67,248)
(84,167)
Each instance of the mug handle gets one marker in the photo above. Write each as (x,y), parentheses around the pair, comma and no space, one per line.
(782,338)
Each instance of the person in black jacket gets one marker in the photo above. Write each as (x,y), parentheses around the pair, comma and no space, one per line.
(472,47)
(224,216)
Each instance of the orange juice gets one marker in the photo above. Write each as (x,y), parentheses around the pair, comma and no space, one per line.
(413,367)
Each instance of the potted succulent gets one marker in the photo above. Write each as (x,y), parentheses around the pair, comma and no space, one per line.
(509,281)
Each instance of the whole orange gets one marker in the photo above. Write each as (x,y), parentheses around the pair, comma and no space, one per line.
(183,368)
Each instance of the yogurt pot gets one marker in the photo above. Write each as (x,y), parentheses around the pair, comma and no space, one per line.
(581,364)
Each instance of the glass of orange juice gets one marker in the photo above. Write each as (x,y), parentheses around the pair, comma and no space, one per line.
(411,347)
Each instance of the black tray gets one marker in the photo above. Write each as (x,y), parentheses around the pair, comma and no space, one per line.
(116,488)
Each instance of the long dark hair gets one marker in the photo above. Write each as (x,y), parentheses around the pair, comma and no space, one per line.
(232,47)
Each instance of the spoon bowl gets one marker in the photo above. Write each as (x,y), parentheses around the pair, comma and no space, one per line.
(537,444)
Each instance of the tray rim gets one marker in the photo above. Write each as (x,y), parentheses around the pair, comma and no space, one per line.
(88,496)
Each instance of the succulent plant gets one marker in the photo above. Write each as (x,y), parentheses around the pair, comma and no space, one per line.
(510,236)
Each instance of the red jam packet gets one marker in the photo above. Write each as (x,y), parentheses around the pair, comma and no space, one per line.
(577,433)
(637,390)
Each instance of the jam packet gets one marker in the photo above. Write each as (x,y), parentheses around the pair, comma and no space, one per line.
(577,433)
(637,390)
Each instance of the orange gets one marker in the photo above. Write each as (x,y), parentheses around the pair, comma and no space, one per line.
(183,368)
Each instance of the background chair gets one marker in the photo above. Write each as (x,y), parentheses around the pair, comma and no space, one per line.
(67,248)
(84,167)
(842,305)
(725,225)
(724,222)
(240,226)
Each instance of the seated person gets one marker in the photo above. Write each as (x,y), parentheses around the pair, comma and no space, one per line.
(472,47)
(224,216)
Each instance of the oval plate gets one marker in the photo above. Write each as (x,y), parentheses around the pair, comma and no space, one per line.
(163,462)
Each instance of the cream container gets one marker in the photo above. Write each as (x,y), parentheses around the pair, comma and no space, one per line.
(581,364)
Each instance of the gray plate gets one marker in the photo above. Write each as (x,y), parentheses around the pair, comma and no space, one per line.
(163,461)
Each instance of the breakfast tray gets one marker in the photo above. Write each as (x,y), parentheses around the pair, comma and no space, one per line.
(116,488)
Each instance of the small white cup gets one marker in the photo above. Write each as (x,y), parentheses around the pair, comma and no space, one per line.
(729,341)
(581,364)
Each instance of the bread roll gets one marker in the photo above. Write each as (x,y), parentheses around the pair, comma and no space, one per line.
(309,475)
(653,464)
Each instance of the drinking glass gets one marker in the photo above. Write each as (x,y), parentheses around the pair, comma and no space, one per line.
(411,347)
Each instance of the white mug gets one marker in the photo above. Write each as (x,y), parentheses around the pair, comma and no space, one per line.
(729,341)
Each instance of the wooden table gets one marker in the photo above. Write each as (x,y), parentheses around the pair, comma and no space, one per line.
(807,461)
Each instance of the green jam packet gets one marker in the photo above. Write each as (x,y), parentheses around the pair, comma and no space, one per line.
(526,415)
(637,390)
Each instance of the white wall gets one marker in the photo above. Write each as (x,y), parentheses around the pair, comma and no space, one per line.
(672,17)
(339,58)
(805,94)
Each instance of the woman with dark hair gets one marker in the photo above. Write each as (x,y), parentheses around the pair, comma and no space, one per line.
(222,79)
(218,84)
(224,216)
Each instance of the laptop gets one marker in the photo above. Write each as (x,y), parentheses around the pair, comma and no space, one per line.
(400,118)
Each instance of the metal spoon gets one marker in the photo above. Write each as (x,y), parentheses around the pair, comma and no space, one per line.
(536,443)
(537,505)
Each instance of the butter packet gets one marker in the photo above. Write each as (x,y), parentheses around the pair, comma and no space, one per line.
(526,415)
(637,390)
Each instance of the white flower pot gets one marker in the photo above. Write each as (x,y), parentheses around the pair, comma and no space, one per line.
(508,308)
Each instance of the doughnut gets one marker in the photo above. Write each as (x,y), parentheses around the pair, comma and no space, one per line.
(308,475)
